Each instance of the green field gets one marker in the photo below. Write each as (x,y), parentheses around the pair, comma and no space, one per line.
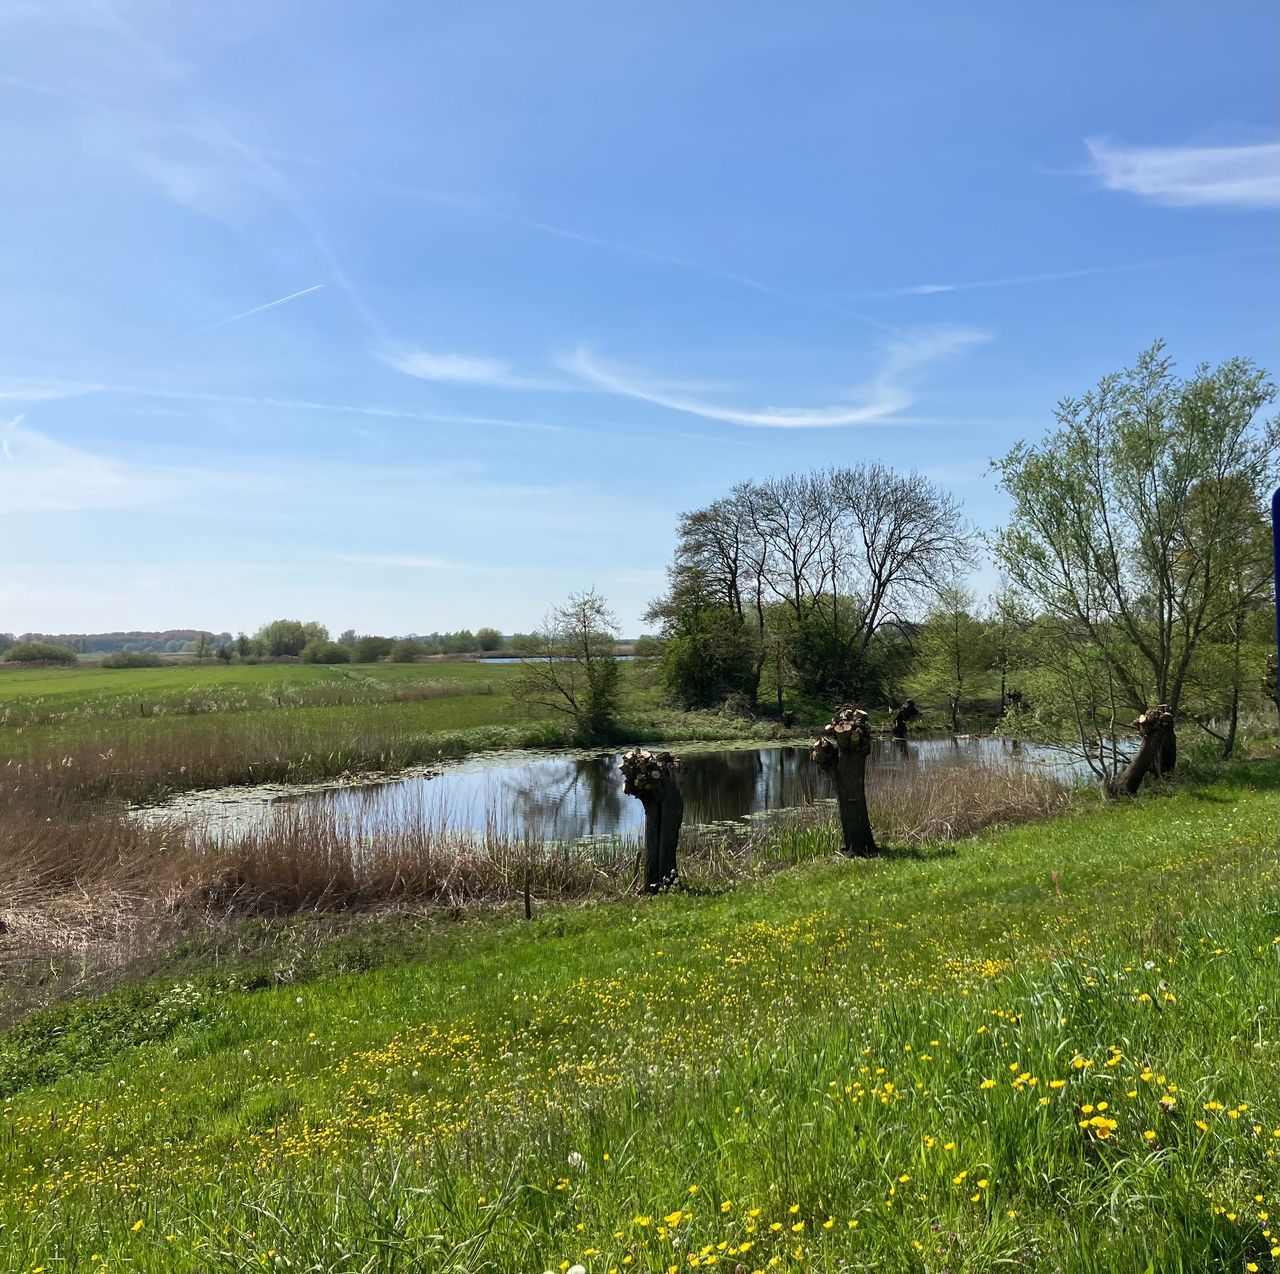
(1058,1048)
(87,694)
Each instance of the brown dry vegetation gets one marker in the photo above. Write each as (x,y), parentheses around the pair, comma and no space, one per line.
(89,884)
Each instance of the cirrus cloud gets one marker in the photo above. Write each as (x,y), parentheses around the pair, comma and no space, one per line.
(1186,176)
(880,402)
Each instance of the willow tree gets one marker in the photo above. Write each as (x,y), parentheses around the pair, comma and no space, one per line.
(843,749)
(1126,526)
(651,778)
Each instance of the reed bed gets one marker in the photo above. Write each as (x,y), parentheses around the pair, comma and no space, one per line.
(150,760)
(70,874)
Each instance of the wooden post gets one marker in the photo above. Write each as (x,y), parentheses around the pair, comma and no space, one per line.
(651,777)
(843,748)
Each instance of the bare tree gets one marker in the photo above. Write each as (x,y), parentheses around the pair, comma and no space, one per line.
(842,552)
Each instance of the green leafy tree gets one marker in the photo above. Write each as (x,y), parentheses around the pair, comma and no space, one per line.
(288,636)
(406,652)
(953,649)
(39,652)
(1124,526)
(708,651)
(489,639)
(325,652)
(369,650)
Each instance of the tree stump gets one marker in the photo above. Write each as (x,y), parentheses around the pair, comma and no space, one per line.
(843,749)
(1156,728)
(651,777)
(903,717)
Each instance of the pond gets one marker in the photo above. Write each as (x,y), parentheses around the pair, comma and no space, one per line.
(560,796)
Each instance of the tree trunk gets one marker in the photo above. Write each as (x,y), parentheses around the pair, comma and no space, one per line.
(1233,724)
(1168,759)
(903,717)
(651,777)
(1233,721)
(1156,728)
(843,749)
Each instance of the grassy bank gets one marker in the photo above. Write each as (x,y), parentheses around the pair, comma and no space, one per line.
(1056,1048)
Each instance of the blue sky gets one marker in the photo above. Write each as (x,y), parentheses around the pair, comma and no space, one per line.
(407,317)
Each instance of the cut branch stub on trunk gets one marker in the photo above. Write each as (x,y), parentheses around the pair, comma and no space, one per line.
(843,749)
(651,778)
(1156,728)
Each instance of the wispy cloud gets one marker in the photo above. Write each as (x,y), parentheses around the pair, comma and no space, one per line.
(461,369)
(41,475)
(881,401)
(1057,276)
(405,560)
(30,391)
(1216,176)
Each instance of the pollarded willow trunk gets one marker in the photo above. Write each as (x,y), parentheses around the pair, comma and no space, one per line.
(903,717)
(843,749)
(1156,728)
(651,777)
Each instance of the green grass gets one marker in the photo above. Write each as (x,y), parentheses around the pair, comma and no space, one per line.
(846,1066)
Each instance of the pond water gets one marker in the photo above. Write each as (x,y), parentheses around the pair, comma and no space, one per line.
(572,796)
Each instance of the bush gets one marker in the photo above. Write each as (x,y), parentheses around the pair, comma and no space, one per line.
(325,652)
(132,659)
(489,638)
(369,650)
(406,652)
(39,652)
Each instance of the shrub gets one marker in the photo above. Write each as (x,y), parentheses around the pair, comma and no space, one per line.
(132,659)
(489,638)
(39,652)
(406,652)
(325,652)
(370,649)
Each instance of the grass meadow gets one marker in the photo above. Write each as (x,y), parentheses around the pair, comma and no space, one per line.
(1055,1047)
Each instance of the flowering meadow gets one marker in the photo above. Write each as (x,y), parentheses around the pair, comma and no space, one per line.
(1056,1048)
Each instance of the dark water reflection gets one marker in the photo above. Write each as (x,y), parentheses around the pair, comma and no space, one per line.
(571,797)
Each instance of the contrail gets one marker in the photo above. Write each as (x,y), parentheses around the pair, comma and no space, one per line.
(257,309)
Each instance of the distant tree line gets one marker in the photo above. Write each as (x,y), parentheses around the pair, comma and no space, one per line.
(307,640)
(172,641)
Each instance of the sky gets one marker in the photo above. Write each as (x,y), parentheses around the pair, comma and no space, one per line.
(415,317)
